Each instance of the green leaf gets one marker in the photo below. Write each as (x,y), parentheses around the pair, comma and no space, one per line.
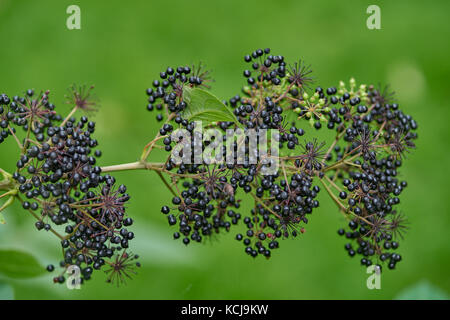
(423,290)
(205,107)
(17,264)
(6,291)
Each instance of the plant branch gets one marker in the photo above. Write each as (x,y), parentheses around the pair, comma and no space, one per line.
(166,183)
(71,113)
(265,206)
(37,218)
(15,137)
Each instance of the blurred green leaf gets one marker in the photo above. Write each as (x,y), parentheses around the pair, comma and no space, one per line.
(17,264)
(205,107)
(423,290)
(6,291)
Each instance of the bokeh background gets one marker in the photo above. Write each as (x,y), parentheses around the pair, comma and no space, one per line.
(121,48)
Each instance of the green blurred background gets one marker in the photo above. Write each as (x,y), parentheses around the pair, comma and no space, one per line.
(121,48)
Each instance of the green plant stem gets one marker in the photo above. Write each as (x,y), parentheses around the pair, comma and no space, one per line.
(12,192)
(71,113)
(330,149)
(166,183)
(126,166)
(342,208)
(149,147)
(265,206)
(333,184)
(142,165)
(24,145)
(37,218)
(15,137)
(341,162)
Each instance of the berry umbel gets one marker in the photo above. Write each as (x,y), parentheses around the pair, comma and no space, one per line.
(58,181)
(358,169)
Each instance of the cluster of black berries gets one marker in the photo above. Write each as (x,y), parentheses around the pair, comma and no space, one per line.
(60,183)
(281,216)
(267,67)
(20,110)
(202,209)
(5,117)
(208,203)
(377,225)
(168,90)
(378,136)
(358,169)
